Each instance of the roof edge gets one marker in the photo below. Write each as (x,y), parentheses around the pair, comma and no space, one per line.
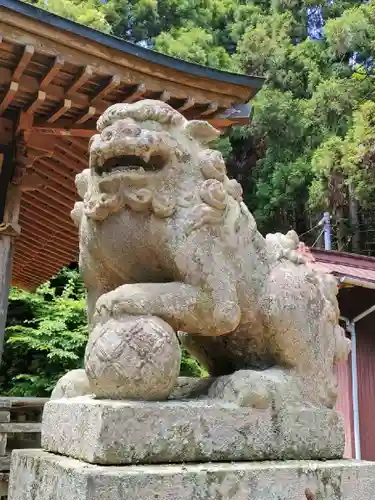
(124,46)
(330,255)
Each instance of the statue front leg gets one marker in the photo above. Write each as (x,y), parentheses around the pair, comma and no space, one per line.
(184,307)
(133,351)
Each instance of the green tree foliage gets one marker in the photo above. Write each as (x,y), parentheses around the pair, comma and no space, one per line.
(311,113)
(88,12)
(45,337)
(194,44)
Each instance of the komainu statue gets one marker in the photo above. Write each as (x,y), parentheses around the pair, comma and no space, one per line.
(168,248)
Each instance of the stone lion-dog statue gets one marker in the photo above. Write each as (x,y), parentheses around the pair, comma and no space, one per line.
(167,246)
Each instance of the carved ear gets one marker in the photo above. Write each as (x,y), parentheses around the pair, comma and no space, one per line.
(82,181)
(77,212)
(202,131)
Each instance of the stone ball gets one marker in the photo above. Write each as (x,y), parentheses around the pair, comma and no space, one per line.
(134,357)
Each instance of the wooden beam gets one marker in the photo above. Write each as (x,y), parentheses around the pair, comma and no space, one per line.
(6,132)
(45,250)
(49,171)
(211,109)
(23,283)
(20,281)
(44,245)
(35,155)
(81,144)
(165,96)
(31,85)
(24,126)
(79,157)
(56,242)
(69,230)
(85,75)
(47,210)
(31,282)
(43,224)
(57,202)
(57,65)
(35,260)
(238,113)
(31,181)
(37,102)
(23,258)
(41,143)
(189,103)
(59,238)
(8,98)
(35,204)
(65,128)
(35,275)
(16,427)
(27,266)
(6,240)
(114,82)
(5,463)
(60,112)
(22,402)
(220,124)
(136,94)
(89,114)
(65,165)
(59,187)
(23,63)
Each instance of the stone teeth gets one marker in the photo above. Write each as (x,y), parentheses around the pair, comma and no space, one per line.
(146,156)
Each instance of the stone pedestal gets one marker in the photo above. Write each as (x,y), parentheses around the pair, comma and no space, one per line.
(128,450)
(131,432)
(38,475)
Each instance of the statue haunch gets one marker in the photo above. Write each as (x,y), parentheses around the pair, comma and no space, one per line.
(167,242)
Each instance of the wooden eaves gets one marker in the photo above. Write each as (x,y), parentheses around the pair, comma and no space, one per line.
(56,78)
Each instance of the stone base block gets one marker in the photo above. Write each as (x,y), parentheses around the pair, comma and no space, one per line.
(129,432)
(38,475)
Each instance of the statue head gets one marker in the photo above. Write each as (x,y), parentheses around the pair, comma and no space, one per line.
(141,157)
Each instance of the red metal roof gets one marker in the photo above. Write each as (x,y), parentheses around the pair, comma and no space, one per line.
(344,264)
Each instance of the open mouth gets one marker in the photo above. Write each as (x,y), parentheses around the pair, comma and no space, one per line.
(154,163)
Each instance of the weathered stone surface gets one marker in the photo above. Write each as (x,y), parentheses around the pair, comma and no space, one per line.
(124,432)
(164,232)
(137,357)
(191,387)
(76,383)
(37,475)
(73,384)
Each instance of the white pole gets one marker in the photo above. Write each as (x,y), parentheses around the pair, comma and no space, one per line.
(327,231)
(357,436)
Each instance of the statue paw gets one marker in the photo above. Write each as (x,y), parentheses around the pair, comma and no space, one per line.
(104,306)
(73,384)
(252,388)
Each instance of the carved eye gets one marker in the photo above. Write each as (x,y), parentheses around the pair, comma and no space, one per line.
(107,135)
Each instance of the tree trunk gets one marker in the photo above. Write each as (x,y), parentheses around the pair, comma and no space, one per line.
(354,220)
(340,230)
